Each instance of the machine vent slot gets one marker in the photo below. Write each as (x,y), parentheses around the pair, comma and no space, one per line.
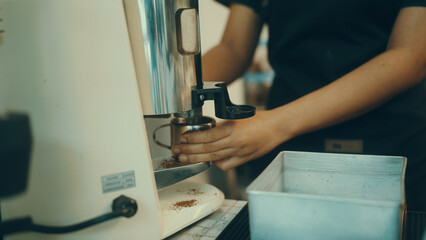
(1,20)
(2,30)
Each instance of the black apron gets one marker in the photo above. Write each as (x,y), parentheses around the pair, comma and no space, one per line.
(311,44)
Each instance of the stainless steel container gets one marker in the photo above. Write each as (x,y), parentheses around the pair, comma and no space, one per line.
(165,41)
(303,195)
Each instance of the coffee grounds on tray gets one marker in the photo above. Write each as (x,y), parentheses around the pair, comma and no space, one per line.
(184,204)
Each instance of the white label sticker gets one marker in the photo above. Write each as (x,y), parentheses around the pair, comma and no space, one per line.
(118,181)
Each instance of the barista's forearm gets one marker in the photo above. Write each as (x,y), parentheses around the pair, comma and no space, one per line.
(228,60)
(352,95)
(221,64)
(402,66)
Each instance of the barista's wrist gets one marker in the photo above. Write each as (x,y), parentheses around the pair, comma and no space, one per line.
(282,126)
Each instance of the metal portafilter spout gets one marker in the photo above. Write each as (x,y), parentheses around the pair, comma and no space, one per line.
(224,109)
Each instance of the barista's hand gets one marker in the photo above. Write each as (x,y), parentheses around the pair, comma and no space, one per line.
(231,143)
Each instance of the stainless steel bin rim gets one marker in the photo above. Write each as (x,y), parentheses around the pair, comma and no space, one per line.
(275,180)
(380,203)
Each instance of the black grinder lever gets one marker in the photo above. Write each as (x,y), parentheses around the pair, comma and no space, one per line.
(224,108)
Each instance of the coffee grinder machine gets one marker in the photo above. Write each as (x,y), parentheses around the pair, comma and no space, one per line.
(91,75)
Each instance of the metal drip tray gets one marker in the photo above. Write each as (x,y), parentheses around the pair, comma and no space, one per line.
(170,172)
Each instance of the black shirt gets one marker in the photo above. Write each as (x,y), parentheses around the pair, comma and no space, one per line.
(312,43)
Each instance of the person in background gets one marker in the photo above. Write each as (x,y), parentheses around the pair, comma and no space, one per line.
(349,79)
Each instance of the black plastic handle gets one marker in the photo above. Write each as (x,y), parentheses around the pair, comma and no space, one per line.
(224,108)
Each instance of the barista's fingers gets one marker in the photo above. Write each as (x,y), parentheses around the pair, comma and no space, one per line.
(226,164)
(207,157)
(207,136)
(202,147)
(236,159)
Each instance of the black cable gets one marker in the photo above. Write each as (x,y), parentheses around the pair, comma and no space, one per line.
(72,228)
(121,207)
